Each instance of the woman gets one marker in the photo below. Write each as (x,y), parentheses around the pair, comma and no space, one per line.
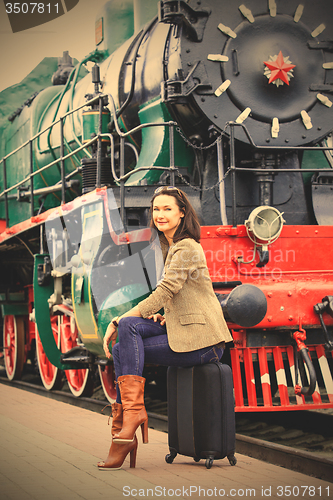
(192,330)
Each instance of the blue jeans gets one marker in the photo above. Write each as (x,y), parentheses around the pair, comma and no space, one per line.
(143,341)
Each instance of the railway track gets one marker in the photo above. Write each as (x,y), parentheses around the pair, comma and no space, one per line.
(300,441)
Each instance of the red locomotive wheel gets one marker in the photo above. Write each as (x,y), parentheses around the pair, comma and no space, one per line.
(51,375)
(13,345)
(108,381)
(80,381)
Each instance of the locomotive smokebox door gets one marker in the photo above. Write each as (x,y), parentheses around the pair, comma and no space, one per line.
(266,65)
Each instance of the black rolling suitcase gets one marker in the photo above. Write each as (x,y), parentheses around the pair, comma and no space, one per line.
(201,416)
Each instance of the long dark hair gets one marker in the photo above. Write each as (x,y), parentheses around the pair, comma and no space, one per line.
(189,226)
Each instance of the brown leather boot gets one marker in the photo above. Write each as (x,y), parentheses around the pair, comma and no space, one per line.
(134,412)
(118,452)
(117,418)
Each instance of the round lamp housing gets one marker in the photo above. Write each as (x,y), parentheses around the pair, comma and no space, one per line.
(264,225)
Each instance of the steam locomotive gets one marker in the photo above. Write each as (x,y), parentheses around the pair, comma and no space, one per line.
(233,104)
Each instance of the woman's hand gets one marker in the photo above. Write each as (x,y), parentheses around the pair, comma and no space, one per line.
(111,335)
(158,317)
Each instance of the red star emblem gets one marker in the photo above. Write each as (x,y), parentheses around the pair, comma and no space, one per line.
(279,69)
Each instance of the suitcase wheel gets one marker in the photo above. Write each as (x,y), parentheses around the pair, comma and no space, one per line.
(232,460)
(209,463)
(169,458)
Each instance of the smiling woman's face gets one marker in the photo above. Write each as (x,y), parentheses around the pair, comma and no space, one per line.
(166,214)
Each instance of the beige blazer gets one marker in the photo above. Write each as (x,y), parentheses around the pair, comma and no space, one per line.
(194,317)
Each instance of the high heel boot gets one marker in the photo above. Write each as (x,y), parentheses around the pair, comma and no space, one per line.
(118,452)
(134,412)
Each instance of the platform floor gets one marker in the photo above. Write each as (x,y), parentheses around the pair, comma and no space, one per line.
(49,451)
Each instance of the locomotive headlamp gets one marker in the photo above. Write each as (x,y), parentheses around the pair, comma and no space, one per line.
(264,225)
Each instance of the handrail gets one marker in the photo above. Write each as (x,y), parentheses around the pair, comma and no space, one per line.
(94,139)
(32,173)
(47,166)
(61,159)
(135,129)
(122,136)
(91,101)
